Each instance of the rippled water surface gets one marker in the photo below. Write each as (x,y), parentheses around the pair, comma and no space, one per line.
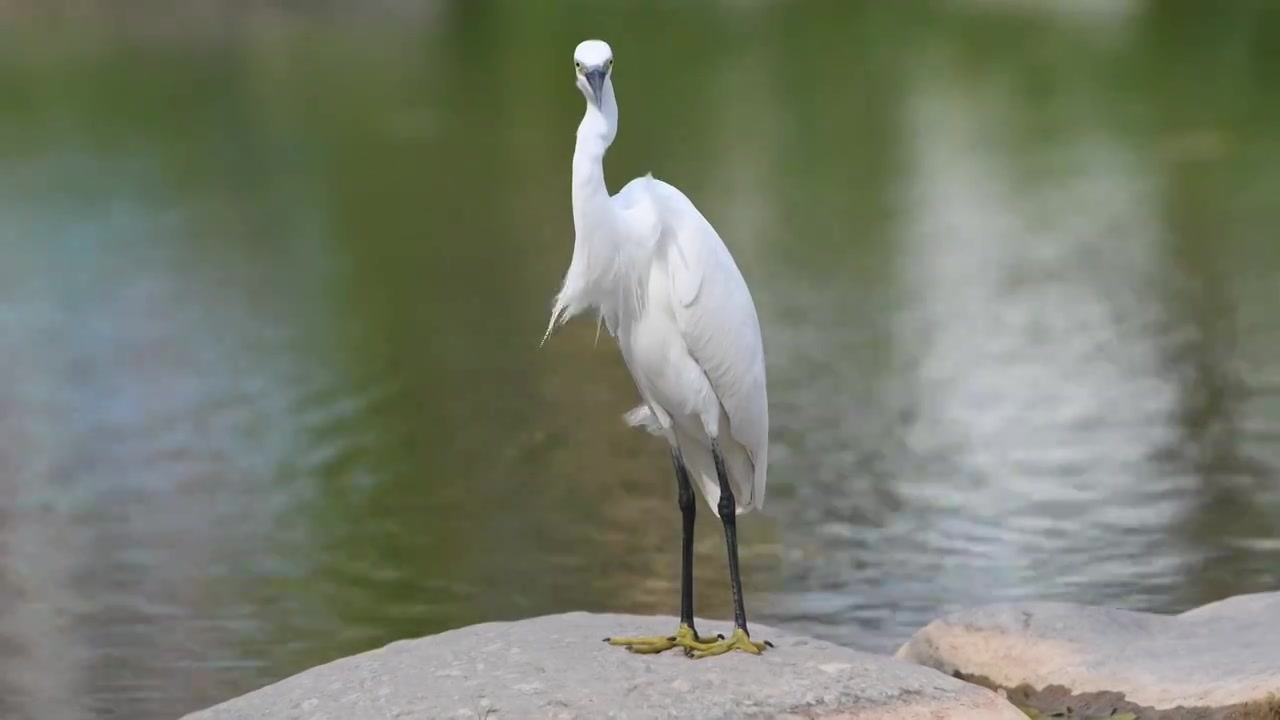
(272,285)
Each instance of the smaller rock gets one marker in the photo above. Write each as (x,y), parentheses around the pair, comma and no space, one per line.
(563,670)
(1219,655)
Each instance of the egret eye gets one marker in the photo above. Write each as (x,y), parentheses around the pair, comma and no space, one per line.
(577,64)
(609,63)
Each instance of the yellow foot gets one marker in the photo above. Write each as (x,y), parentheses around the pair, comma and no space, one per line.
(685,638)
(740,641)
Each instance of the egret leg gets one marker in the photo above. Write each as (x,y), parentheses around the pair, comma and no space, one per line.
(741,639)
(686,636)
(688,514)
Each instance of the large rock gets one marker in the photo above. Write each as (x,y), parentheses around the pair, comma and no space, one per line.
(557,667)
(1215,656)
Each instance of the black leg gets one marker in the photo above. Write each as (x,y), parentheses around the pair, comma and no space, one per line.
(728,516)
(689,512)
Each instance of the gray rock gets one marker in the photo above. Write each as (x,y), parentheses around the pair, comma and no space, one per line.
(557,667)
(1218,655)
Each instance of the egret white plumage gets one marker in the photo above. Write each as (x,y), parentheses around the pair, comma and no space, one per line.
(658,276)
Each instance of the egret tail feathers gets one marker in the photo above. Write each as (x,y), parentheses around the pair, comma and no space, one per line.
(702,466)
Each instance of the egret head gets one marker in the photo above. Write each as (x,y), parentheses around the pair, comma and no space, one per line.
(593,63)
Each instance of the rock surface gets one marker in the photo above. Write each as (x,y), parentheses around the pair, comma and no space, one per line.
(1217,655)
(557,667)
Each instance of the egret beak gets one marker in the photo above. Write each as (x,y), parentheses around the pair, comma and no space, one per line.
(595,79)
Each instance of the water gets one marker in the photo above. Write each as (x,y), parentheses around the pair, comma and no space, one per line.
(273,283)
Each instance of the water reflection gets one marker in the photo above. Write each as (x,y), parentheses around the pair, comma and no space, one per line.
(1043,373)
(270,303)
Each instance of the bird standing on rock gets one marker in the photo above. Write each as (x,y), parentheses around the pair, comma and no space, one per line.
(660,279)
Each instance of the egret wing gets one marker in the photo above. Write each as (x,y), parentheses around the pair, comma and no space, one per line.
(718,321)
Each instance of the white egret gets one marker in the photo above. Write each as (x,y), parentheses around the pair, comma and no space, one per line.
(658,276)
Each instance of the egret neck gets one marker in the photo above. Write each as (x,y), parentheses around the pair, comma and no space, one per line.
(595,223)
(591,207)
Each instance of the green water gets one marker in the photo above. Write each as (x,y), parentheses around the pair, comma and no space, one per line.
(272,284)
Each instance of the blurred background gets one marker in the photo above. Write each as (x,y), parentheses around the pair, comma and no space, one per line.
(273,276)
